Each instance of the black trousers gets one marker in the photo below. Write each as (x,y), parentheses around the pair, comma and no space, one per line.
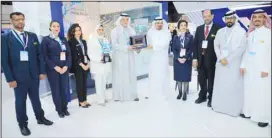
(81,84)
(205,79)
(30,88)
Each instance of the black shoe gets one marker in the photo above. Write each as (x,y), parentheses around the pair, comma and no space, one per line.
(61,115)
(89,104)
(146,97)
(25,131)
(85,106)
(260,124)
(66,113)
(179,96)
(45,122)
(243,116)
(209,103)
(200,100)
(136,99)
(184,97)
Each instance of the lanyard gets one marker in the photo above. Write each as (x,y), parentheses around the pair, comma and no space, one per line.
(228,39)
(21,41)
(182,40)
(82,46)
(126,37)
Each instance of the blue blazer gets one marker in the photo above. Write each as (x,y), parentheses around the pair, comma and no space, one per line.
(51,50)
(183,72)
(13,68)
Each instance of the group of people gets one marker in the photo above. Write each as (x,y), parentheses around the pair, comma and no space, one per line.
(233,66)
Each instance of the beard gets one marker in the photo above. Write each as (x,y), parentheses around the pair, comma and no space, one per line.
(229,24)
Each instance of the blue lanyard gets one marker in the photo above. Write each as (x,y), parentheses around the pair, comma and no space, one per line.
(82,46)
(182,39)
(126,37)
(21,41)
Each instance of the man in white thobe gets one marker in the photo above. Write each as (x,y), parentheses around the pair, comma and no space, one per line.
(124,81)
(229,46)
(256,68)
(158,38)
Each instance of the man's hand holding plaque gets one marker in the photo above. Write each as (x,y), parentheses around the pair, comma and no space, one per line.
(138,42)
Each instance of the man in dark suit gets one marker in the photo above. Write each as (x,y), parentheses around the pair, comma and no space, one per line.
(204,56)
(23,66)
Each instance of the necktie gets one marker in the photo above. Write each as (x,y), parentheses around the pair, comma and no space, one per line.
(24,37)
(206,32)
(206,35)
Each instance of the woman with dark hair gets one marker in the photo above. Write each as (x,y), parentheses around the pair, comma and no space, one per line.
(80,62)
(56,52)
(182,49)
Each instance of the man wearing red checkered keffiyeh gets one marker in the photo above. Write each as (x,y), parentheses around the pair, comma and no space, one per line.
(256,70)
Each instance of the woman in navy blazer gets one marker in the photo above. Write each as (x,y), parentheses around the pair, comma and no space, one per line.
(182,50)
(57,57)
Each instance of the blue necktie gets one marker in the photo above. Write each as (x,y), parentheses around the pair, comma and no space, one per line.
(24,37)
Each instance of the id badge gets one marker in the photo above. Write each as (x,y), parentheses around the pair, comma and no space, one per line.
(182,52)
(85,59)
(204,44)
(252,51)
(62,56)
(23,55)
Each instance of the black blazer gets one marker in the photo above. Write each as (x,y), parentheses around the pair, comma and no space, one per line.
(77,53)
(210,55)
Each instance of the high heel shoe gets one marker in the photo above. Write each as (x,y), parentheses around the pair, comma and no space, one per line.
(83,106)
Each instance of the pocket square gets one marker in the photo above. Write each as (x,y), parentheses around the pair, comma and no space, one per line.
(213,35)
(35,43)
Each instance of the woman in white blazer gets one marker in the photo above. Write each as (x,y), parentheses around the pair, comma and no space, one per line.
(100,69)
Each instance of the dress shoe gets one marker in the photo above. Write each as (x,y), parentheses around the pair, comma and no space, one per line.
(200,100)
(260,124)
(184,97)
(209,103)
(136,99)
(243,116)
(61,115)
(25,131)
(66,113)
(45,122)
(179,96)
(83,106)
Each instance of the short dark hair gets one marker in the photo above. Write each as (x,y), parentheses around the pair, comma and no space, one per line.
(207,10)
(71,31)
(15,13)
(182,21)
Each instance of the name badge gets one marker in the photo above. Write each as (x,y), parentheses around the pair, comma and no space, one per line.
(23,55)
(204,44)
(62,56)
(252,51)
(182,52)
(85,59)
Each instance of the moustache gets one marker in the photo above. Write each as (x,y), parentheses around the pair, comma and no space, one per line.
(257,21)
